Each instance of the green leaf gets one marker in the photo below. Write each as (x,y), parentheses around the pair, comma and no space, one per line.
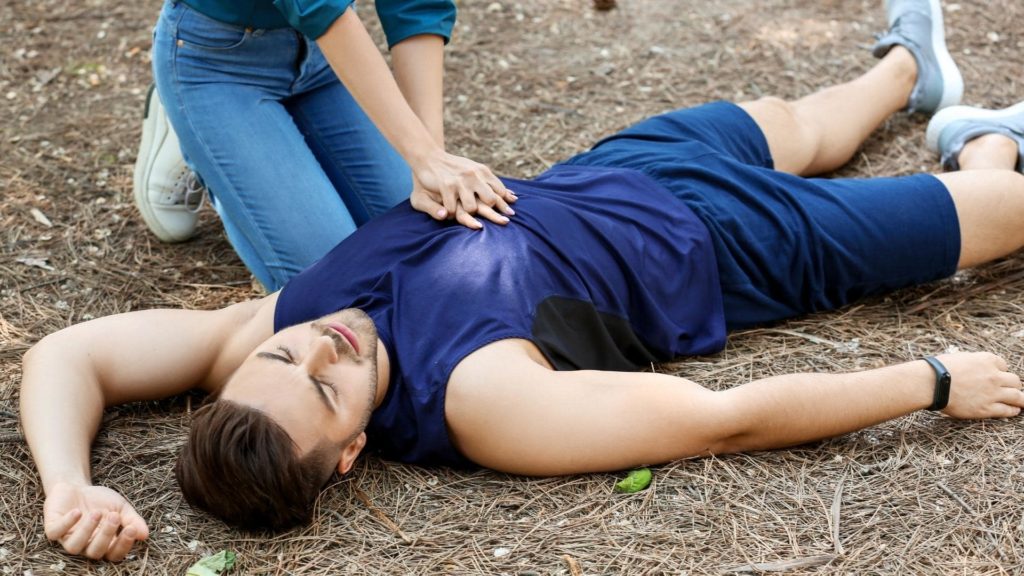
(213,565)
(635,481)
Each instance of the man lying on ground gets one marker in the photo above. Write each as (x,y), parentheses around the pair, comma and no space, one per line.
(516,347)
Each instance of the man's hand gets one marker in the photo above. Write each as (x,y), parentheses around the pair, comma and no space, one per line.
(448,186)
(69,377)
(981,387)
(93,521)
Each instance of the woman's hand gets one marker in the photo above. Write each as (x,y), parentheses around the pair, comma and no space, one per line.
(448,186)
(92,521)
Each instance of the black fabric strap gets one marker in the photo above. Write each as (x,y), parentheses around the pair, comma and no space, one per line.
(942,382)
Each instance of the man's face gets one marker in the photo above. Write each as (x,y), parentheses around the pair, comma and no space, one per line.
(317,380)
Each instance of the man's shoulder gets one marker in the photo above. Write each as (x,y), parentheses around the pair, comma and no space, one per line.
(501,359)
(240,329)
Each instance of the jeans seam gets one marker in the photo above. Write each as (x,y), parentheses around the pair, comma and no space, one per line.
(246,34)
(359,194)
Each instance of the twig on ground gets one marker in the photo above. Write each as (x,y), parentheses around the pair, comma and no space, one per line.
(836,505)
(382,517)
(784,565)
(956,498)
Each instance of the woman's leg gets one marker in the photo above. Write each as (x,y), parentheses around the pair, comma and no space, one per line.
(369,175)
(223,89)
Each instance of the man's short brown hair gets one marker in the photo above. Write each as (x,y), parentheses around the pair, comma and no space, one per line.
(241,466)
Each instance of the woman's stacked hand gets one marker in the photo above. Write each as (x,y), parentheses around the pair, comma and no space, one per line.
(448,186)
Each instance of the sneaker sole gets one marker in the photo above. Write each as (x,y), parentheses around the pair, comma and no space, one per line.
(954,113)
(952,80)
(152,139)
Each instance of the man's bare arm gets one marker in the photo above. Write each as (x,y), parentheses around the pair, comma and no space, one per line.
(525,418)
(71,375)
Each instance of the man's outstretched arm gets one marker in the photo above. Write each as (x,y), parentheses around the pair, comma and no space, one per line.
(527,419)
(70,376)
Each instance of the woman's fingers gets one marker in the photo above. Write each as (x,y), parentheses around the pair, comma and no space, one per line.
(490,214)
(501,206)
(422,201)
(499,187)
(455,179)
(463,217)
(468,196)
(449,197)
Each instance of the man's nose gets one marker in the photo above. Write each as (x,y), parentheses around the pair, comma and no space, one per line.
(321,352)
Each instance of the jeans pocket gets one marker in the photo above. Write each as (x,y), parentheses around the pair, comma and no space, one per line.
(200,31)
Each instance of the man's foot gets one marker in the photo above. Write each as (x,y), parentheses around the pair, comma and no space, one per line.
(166,191)
(954,127)
(917,26)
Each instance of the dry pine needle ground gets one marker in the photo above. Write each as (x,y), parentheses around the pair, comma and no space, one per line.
(529,83)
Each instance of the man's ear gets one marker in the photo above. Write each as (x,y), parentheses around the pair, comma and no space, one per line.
(350,453)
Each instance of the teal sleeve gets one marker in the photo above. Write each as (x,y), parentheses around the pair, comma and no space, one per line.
(404,18)
(312,17)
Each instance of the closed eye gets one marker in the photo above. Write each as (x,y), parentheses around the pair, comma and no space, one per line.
(286,357)
(325,383)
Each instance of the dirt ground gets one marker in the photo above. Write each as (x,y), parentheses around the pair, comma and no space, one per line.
(529,83)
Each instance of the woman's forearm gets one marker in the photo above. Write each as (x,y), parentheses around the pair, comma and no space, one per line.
(357,62)
(419,69)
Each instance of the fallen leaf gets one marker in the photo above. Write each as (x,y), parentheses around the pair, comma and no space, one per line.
(213,565)
(635,481)
(38,216)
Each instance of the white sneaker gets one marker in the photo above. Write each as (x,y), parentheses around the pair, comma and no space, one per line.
(166,191)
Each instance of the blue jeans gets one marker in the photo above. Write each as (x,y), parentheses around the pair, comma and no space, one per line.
(292,163)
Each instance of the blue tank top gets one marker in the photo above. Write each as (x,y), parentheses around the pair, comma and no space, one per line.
(602,268)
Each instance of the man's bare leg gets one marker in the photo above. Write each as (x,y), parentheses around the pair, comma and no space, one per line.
(809,137)
(822,131)
(989,199)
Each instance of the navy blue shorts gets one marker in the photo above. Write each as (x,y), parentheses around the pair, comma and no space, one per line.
(788,245)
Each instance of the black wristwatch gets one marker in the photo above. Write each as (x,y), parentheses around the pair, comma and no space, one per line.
(942,383)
